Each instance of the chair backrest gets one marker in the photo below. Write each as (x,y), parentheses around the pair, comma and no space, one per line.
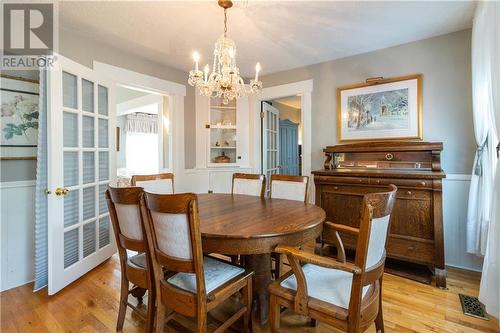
(249,184)
(173,233)
(162,183)
(372,240)
(289,187)
(124,211)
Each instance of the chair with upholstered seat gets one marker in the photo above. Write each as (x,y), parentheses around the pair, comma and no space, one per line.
(196,283)
(289,188)
(162,183)
(344,295)
(123,205)
(248,184)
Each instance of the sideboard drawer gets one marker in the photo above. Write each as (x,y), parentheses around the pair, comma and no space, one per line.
(414,183)
(411,250)
(341,180)
(413,194)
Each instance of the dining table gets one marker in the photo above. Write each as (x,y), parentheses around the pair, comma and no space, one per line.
(252,226)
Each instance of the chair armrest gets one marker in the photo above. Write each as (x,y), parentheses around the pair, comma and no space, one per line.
(342,228)
(311,258)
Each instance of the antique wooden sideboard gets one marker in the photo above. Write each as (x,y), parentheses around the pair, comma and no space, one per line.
(416,234)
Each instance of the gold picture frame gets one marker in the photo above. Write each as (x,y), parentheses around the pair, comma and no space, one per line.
(402,121)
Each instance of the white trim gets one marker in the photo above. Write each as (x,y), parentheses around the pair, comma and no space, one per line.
(139,80)
(22,183)
(304,90)
(175,93)
(464,268)
(20,284)
(457,177)
(129,106)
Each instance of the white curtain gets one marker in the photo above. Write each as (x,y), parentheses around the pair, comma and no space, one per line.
(41,204)
(481,188)
(486,90)
(142,123)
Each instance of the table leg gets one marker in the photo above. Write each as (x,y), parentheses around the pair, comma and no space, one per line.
(260,264)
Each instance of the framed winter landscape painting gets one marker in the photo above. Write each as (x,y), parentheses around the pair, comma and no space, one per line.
(380,109)
(18,118)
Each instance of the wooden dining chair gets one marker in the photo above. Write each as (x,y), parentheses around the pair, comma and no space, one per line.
(162,183)
(344,295)
(195,284)
(290,188)
(249,184)
(124,211)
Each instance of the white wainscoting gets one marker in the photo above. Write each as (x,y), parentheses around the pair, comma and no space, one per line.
(217,180)
(455,199)
(18,220)
(17,233)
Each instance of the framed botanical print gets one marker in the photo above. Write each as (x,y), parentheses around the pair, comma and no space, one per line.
(380,109)
(18,118)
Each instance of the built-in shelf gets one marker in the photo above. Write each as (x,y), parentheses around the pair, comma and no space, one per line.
(223,126)
(223,131)
(223,108)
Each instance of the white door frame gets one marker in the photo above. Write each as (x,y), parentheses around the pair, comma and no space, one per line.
(304,90)
(175,92)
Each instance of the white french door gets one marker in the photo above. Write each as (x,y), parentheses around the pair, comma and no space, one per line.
(81,164)
(270,140)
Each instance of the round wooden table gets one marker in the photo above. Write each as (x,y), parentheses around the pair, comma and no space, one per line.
(253,226)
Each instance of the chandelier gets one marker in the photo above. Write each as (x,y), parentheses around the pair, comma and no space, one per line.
(225,81)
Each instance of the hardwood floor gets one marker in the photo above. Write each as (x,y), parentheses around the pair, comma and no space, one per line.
(91,305)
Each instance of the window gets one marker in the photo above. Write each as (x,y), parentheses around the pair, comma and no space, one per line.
(142,153)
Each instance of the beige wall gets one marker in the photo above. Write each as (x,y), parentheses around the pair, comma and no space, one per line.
(445,63)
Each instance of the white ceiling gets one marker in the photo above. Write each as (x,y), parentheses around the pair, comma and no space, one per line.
(280,34)
(125,94)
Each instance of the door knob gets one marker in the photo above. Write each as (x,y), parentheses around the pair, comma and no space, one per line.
(61,191)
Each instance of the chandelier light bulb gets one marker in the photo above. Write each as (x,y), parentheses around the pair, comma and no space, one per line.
(257,70)
(206,70)
(196,58)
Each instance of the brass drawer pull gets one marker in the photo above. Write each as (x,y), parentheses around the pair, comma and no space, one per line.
(389,156)
(335,187)
(378,181)
(422,183)
(408,192)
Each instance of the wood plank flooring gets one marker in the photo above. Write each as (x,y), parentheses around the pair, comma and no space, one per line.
(91,305)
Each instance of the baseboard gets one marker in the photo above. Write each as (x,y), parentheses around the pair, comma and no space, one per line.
(17,285)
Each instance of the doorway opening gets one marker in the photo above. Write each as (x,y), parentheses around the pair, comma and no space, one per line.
(142,133)
(281,131)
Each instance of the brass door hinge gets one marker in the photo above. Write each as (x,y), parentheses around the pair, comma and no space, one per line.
(262,114)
